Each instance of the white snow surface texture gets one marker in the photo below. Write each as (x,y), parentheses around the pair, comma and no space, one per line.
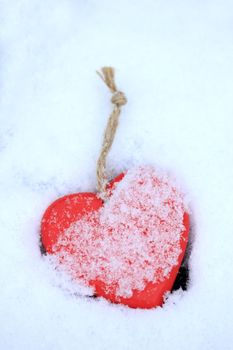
(174,62)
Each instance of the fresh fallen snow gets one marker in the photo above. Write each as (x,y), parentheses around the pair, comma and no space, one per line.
(174,62)
(132,240)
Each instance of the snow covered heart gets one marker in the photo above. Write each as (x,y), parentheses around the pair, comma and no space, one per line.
(130,248)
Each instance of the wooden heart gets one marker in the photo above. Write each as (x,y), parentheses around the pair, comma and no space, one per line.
(128,249)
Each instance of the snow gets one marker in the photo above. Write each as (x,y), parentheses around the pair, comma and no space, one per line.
(174,63)
(130,241)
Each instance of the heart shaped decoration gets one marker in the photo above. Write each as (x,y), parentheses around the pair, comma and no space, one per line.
(127,241)
(130,248)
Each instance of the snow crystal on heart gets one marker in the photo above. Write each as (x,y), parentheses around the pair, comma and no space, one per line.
(133,239)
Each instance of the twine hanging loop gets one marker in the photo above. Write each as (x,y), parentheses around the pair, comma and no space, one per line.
(118,99)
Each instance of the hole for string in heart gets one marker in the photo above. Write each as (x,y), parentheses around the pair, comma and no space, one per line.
(129,249)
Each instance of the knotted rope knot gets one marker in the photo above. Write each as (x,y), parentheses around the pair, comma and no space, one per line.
(119,99)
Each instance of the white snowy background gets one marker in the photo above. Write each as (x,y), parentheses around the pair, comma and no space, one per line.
(174,61)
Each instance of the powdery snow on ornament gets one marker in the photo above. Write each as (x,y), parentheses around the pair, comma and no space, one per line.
(127,242)
(129,248)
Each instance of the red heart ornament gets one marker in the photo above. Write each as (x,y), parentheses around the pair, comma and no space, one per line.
(128,249)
